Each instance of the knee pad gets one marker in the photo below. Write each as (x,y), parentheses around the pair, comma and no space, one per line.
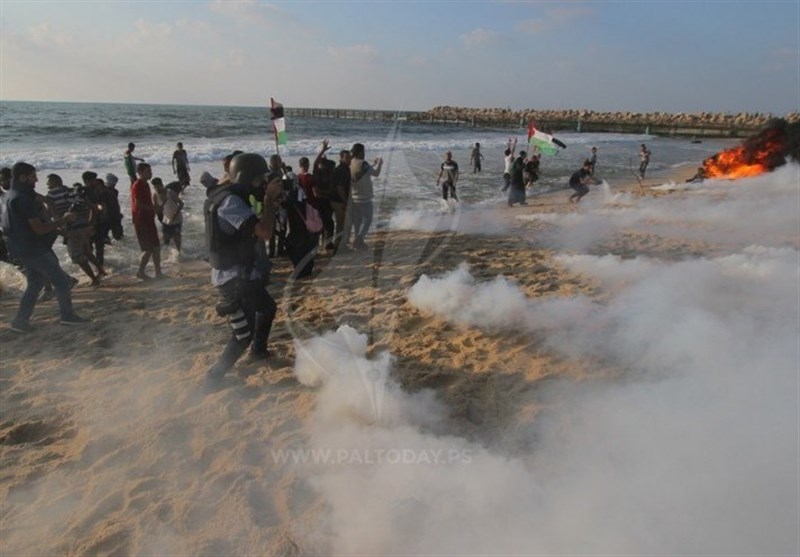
(227,308)
(240,326)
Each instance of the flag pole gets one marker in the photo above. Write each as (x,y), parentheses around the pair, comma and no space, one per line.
(272,121)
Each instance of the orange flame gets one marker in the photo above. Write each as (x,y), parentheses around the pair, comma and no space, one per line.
(741,161)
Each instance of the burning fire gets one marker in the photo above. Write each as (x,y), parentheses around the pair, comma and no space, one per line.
(738,162)
(761,153)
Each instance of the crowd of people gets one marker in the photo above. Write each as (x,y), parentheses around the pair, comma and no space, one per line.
(255,212)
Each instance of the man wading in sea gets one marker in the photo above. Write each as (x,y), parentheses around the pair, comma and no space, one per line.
(449,169)
(180,165)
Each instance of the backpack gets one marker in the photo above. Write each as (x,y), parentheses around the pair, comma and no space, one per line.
(312,218)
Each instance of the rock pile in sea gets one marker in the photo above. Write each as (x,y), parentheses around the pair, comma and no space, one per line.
(506,116)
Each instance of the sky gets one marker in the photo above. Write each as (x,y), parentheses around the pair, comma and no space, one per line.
(641,56)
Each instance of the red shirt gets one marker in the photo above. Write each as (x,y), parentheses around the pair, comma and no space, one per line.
(306,182)
(142,202)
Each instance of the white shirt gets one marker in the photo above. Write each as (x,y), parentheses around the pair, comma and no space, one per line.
(509,164)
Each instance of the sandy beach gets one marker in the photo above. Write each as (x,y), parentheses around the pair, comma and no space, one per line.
(110,445)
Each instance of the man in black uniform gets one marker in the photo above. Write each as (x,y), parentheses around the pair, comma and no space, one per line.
(232,229)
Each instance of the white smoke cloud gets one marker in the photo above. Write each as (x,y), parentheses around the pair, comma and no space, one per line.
(354,386)
(714,211)
(692,448)
(451,216)
(680,446)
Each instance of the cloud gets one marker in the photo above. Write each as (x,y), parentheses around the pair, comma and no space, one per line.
(782,60)
(361,52)
(200,29)
(477,37)
(236,57)
(420,61)
(786,53)
(148,30)
(552,19)
(247,12)
(44,35)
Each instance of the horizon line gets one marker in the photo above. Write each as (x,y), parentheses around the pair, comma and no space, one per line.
(266,105)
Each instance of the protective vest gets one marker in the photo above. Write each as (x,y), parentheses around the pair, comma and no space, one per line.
(227,250)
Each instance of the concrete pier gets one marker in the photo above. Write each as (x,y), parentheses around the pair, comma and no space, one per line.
(703,124)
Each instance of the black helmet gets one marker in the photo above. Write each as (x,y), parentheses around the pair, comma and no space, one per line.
(246,167)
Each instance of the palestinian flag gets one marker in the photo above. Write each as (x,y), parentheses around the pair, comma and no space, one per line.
(545,143)
(278,122)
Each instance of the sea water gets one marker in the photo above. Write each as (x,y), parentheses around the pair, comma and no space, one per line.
(69,138)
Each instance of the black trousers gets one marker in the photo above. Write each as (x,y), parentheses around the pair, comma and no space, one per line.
(326,213)
(250,311)
(449,187)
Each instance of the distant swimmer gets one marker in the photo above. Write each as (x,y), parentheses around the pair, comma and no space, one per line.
(448,169)
(593,159)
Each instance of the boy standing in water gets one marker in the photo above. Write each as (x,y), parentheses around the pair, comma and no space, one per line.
(168,206)
(475,158)
(644,160)
(180,165)
(449,169)
(130,162)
